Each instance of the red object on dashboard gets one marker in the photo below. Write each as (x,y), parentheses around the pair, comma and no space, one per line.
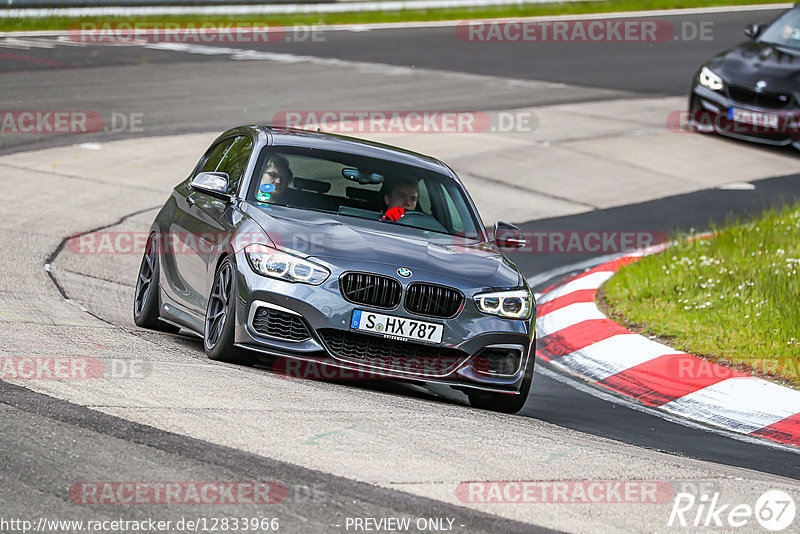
(394,214)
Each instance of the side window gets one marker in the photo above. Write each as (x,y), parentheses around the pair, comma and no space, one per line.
(234,162)
(215,155)
(455,216)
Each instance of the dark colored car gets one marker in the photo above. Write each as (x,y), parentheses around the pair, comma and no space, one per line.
(282,243)
(752,91)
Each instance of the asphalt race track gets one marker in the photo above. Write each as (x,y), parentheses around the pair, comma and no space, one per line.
(353,450)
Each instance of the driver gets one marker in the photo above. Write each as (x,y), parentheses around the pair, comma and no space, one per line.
(402,196)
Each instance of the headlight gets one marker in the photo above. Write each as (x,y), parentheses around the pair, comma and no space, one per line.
(509,304)
(710,79)
(267,261)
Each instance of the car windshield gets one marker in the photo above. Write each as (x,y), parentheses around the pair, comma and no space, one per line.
(785,31)
(356,186)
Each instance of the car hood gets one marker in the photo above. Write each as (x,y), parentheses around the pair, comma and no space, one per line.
(329,237)
(750,62)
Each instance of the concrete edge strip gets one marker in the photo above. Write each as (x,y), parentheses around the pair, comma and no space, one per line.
(582,341)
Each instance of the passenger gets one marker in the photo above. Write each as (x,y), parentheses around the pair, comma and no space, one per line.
(278,174)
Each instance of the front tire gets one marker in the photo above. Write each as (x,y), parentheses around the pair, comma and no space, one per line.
(506,402)
(219,325)
(145,297)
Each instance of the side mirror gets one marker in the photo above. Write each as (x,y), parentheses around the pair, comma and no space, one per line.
(508,236)
(212,183)
(754,30)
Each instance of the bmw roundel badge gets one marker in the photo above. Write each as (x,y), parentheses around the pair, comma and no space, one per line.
(405,273)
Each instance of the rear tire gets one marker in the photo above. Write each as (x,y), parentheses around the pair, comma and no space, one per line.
(145,297)
(219,324)
(506,402)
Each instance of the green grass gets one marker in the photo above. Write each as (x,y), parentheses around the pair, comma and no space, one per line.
(62,23)
(733,299)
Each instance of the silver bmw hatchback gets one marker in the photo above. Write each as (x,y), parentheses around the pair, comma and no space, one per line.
(333,257)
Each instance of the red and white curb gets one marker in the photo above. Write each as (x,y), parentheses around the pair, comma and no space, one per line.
(575,336)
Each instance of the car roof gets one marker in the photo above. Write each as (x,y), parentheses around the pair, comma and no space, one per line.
(281,136)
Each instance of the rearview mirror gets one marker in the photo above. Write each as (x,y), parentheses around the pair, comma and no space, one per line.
(212,183)
(508,236)
(754,30)
(362,177)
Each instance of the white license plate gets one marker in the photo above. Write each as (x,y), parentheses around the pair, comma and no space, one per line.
(756,118)
(396,327)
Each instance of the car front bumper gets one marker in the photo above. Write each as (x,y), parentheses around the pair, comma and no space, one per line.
(469,340)
(716,105)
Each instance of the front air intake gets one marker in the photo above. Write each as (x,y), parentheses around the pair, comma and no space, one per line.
(279,324)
